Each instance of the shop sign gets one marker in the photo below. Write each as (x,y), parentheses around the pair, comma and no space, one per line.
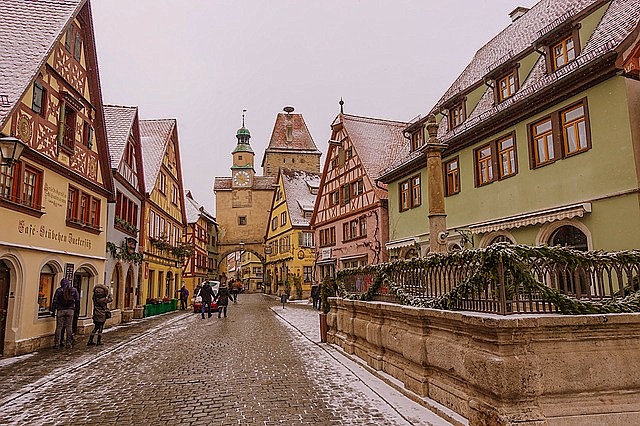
(325,253)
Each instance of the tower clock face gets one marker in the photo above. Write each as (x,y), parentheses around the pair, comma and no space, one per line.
(242,178)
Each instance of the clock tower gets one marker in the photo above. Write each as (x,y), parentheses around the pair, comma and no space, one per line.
(242,172)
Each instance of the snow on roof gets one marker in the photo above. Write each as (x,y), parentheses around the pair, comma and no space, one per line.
(118,122)
(297,191)
(154,137)
(194,210)
(29,31)
(378,143)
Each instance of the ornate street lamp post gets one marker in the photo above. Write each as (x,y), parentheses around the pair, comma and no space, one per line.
(11,148)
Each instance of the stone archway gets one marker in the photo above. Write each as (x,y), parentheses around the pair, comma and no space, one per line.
(223,273)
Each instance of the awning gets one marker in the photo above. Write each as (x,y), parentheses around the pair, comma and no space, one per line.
(355,256)
(533,218)
(405,242)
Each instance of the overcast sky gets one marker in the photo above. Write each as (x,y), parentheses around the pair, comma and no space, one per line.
(204,61)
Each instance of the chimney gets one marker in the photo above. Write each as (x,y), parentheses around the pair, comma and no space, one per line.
(517,13)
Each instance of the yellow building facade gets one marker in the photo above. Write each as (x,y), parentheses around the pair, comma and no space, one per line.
(53,199)
(164,222)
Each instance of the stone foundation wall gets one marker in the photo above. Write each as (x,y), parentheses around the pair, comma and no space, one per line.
(495,370)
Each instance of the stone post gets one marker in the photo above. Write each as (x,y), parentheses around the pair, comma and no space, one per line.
(435,189)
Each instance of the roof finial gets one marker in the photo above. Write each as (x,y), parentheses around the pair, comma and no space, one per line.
(243,111)
(341,105)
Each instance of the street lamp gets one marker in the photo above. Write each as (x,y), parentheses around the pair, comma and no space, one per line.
(11,148)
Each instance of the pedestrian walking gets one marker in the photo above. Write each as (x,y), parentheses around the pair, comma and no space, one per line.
(206,293)
(184,295)
(222,300)
(101,312)
(65,301)
(315,296)
(283,299)
(235,290)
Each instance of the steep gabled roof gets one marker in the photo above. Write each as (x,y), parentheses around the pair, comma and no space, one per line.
(118,122)
(29,31)
(154,137)
(378,142)
(194,210)
(300,140)
(297,187)
(620,20)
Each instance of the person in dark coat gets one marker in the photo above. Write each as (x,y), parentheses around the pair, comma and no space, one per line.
(223,300)
(206,292)
(101,298)
(315,296)
(66,300)
(184,295)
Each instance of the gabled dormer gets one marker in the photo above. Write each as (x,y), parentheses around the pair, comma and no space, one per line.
(123,134)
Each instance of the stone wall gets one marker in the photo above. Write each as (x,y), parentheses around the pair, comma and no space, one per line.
(494,370)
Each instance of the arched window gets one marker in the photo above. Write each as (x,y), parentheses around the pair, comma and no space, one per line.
(569,281)
(455,247)
(500,239)
(569,236)
(46,289)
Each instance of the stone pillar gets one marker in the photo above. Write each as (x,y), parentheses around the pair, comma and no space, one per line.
(435,189)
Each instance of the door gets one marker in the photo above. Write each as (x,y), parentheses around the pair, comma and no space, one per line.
(128,290)
(4,301)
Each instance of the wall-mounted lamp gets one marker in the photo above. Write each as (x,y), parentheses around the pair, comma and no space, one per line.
(11,148)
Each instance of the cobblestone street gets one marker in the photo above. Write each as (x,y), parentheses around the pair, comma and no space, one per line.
(260,365)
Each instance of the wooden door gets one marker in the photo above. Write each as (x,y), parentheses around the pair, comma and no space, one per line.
(4,301)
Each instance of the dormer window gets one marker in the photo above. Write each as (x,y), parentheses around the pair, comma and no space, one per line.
(417,139)
(564,52)
(507,85)
(457,114)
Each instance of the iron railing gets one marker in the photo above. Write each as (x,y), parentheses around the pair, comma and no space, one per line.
(499,280)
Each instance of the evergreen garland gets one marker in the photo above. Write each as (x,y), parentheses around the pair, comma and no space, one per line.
(516,261)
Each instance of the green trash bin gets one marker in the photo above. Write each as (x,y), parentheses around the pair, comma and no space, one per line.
(174,304)
(147,311)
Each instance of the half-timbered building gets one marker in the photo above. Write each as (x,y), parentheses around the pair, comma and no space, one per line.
(542,135)
(164,215)
(201,238)
(53,197)
(123,216)
(289,239)
(350,219)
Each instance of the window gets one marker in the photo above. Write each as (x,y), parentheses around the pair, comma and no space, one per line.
(346,194)
(327,236)
(484,165)
(162,185)
(507,157)
(73,42)
(307,273)
(46,290)
(72,203)
(574,130)
(174,194)
(564,52)
(305,239)
(39,99)
(564,133)
(21,184)
(87,135)
(542,136)
(83,209)
(357,187)
(452,177)
(363,226)
(283,218)
(456,115)
(274,223)
(404,196)
(30,188)
(507,86)
(129,155)
(410,193)
(348,153)
(7,187)
(242,220)
(496,160)
(334,198)
(416,199)
(334,163)
(417,139)
(69,129)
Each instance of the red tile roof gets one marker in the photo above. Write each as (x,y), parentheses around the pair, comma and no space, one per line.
(301,140)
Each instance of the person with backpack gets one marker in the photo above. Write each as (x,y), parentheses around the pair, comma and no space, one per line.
(206,292)
(101,312)
(66,301)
